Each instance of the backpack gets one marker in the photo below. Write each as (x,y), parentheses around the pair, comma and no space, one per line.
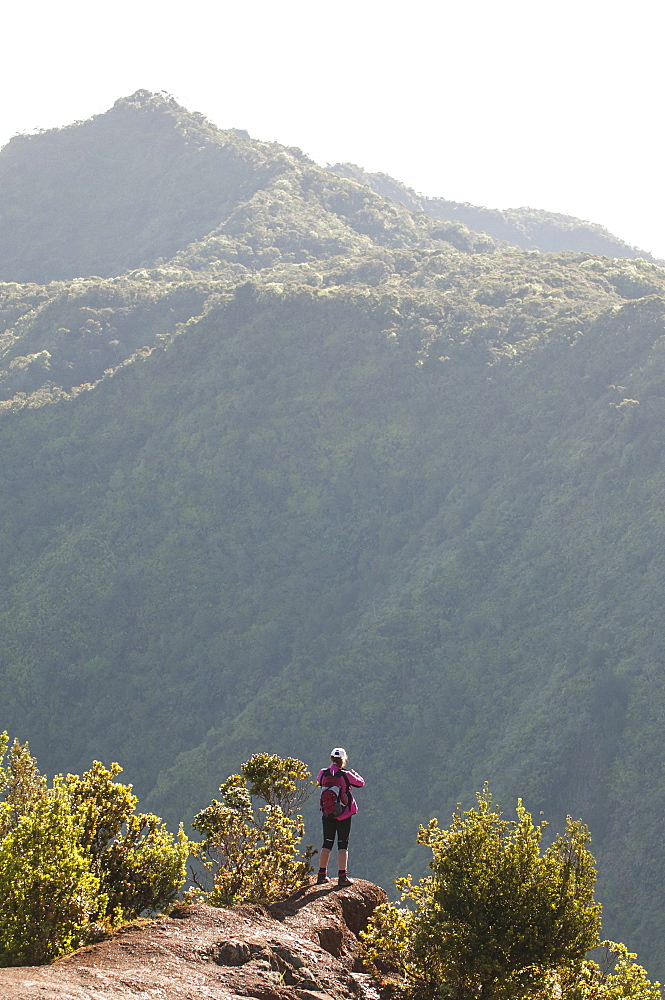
(334,797)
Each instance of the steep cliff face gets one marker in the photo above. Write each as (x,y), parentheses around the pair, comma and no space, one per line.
(303,949)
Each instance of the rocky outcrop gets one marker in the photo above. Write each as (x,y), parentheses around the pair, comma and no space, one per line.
(305,948)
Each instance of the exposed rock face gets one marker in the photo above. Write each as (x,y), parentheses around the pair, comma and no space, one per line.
(302,949)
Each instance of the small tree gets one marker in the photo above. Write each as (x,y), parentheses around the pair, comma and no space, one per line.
(496,918)
(254,854)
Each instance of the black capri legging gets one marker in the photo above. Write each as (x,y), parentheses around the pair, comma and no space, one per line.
(341,827)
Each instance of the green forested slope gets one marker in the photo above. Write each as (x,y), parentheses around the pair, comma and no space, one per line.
(452,566)
(137,185)
(385,485)
(121,190)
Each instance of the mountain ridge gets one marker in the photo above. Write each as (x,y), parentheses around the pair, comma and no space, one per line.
(158,178)
(526,228)
(192,177)
(310,447)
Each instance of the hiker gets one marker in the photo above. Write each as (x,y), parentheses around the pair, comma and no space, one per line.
(338,806)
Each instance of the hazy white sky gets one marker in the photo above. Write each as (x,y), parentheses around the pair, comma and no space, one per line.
(555,106)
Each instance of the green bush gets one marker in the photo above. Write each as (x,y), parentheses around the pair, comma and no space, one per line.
(75,856)
(496,918)
(140,865)
(499,920)
(615,977)
(253,854)
(48,892)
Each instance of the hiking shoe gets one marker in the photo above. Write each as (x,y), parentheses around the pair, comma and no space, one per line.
(322,879)
(344,881)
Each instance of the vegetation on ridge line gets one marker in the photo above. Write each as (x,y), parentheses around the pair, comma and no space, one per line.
(528,228)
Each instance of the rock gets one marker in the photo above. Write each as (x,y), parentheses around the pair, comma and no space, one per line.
(305,948)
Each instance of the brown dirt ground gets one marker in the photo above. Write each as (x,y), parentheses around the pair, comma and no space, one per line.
(302,949)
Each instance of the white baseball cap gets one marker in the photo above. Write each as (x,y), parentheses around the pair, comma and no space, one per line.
(338,752)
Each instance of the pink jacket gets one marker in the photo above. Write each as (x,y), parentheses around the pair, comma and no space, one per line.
(352,779)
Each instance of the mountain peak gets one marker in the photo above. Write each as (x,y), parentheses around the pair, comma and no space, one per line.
(119,191)
(147,98)
(149,181)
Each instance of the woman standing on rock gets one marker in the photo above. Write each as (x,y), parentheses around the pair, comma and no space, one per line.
(338,806)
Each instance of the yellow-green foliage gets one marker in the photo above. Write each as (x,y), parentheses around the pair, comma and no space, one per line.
(253,853)
(140,865)
(73,854)
(496,918)
(387,941)
(48,893)
(615,977)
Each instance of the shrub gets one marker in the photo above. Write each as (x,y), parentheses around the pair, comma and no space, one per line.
(615,977)
(48,891)
(74,855)
(253,854)
(496,918)
(140,865)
